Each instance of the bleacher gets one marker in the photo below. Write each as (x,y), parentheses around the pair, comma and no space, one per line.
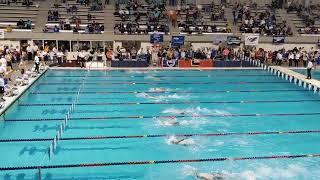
(305,21)
(202,19)
(266,22)
(140,19)
(13,13)
(81,14)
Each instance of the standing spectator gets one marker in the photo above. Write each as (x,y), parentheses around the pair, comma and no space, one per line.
(35,49)
(279,58)
(3,64)
(22,67)
(9,29)
(305,58)
(297,59)
(226,53)
(133,53)
(30,52)
(56,29)
(109,56)
(291,58)
(82,59)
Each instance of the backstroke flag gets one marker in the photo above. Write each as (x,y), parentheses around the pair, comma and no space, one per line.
(251,40)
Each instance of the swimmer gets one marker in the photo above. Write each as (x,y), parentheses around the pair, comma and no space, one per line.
(171,122)
(158,89)
(210,176)
(183,142)
(150,97)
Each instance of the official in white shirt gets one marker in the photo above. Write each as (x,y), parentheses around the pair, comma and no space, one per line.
(1,87)
(297,59)
(37,63)
(309,68)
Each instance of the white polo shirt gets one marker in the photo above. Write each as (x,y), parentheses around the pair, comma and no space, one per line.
(310,65)
(36,59)
(2,69)
(1,82)
(29,49)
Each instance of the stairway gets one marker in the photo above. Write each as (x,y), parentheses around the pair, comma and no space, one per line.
(229,16)
(41,20)
(288,17)
(109,20)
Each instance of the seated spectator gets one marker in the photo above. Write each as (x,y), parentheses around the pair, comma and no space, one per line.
(9,29)
(20,24)
(56,29)
(75,30)
(67,24)
(45,29)
(28,24)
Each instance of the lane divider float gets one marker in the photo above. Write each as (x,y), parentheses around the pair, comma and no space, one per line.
(185,102)
(153,117)
(153,162)
(164,135)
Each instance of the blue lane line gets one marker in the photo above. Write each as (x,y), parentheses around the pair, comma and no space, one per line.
(186,102)
(152,117)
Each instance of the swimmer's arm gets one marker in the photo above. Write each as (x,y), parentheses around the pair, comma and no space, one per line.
(181,140)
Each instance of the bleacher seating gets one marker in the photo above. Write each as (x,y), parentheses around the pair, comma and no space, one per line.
(140,19)
(13,13)
(306,20)
(261,20)
(202,19)
(74,17)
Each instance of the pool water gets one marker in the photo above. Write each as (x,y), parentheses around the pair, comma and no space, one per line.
(123,103)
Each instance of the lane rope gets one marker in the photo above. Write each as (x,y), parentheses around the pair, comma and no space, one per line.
(164,135)
(152,162)
(158,76)
(155,83)
(153,117)
(173,92)
(185,102)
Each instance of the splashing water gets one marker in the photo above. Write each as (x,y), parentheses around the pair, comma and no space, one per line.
(194,111)
(174,140)
(167,122)
(266,172)
(162,97)
(152,78)
(159,89)
(141,72)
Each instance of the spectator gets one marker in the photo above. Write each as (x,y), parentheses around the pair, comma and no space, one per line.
(2,88)
(9,29)
(28,24)
(20,24)
(45,29)
(56,29)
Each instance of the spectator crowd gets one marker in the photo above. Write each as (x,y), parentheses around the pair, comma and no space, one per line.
(261,21)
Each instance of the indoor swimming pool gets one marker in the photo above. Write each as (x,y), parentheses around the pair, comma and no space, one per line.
(245,124)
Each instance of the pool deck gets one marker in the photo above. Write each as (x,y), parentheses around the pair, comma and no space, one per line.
(297,75)
(10,100)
